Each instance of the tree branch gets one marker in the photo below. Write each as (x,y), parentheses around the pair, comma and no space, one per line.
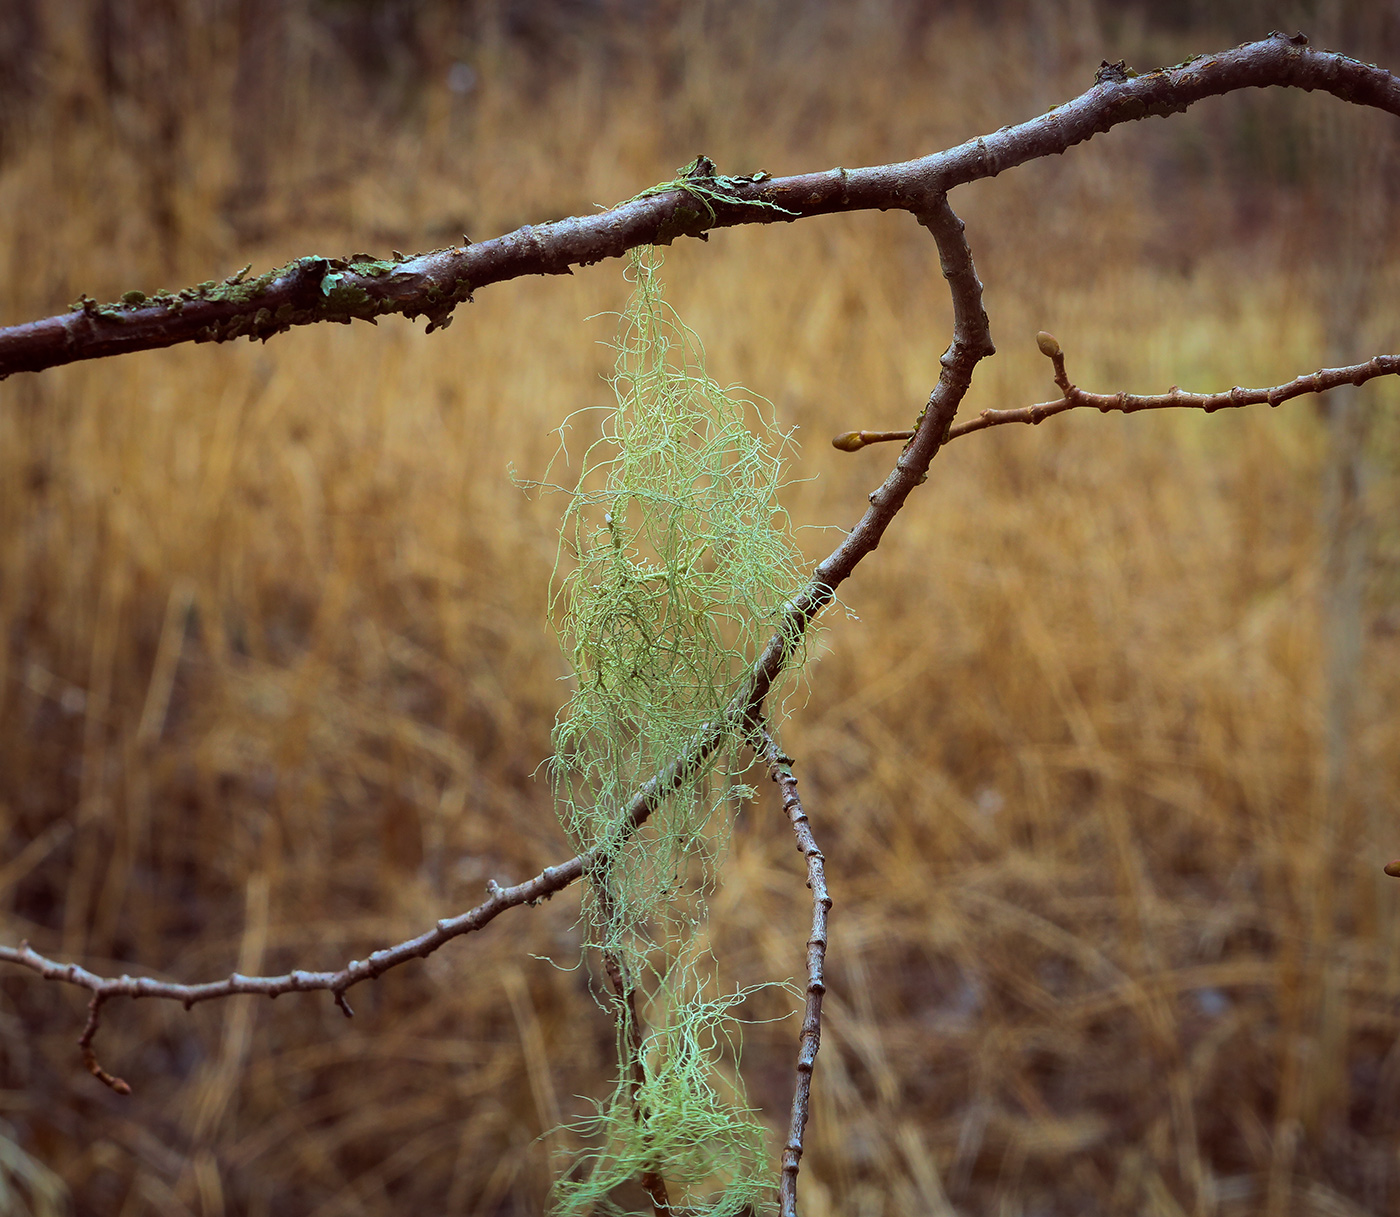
(780,770)
(971,342)
(313,289)
(1321,381)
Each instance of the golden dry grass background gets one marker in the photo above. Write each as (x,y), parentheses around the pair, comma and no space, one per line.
(276,674)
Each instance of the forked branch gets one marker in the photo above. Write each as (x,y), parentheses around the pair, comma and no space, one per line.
(971,342)
(319,289)
(1074,398)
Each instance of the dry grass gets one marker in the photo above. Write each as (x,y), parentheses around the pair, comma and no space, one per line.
(276,674)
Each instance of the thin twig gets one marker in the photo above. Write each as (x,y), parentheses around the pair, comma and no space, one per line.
(94,1067)
(315,289)
(1321,381)
(780,770)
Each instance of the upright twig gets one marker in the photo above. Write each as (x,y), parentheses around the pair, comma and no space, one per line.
(780,770)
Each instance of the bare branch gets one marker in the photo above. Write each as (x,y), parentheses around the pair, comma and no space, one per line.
(780,770)
(1321,381)
(313,289)
(552,879)
(971,342)
(541,887)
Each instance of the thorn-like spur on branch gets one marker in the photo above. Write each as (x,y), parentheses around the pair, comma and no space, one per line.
(1321,381)
(313,289)
(780,770)
(854,441)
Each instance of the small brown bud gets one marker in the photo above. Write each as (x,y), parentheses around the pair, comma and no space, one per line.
(1393,869)
(1047,344)
(849,441)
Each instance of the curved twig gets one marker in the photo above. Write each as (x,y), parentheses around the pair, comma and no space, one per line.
(94,1066)
(313,289)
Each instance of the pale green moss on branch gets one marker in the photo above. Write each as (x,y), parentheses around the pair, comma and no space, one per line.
(675,566)
(359,287)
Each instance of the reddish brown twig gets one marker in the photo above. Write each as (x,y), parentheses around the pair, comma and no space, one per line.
(314,289)
(94,1067)
(780,770)
(1321,381)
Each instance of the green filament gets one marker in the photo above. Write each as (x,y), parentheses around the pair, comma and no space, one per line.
(676,560)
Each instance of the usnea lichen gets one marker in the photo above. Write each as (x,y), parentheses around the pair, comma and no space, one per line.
(676,559)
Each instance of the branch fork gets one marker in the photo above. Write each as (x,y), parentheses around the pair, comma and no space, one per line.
(316,289)
(1073,397)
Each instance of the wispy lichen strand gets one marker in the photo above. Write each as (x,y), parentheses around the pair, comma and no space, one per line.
(676,561)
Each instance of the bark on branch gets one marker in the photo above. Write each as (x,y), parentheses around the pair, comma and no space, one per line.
(1324,380)
(312,289)
(780,770)
(971,342)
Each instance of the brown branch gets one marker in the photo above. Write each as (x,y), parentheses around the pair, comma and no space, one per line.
(1321,381)
(103,988)
(971,343)
(780,770)
(550,880)
(313,289)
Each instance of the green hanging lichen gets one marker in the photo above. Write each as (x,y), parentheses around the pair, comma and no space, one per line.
(676,559)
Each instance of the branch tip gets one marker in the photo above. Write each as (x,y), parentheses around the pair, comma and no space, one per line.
(93,1065)
(1393,869)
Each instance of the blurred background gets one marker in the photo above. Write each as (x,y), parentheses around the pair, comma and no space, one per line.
(1104,750)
